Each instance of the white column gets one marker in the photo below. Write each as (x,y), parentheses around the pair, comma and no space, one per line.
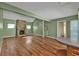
(43,28)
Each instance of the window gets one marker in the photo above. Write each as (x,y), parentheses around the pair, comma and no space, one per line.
(28,26)
(35,27)
(11,25)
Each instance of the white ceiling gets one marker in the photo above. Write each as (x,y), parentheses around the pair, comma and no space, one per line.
(49,10)
(15,16)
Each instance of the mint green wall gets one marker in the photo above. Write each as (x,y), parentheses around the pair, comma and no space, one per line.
(68,28)
(52,28)
(8,31)
(39,27)
(12,32)
(19,11)
(1,23)
(1,26)
(52,25)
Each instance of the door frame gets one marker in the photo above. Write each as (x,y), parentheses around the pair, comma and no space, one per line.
(65,28)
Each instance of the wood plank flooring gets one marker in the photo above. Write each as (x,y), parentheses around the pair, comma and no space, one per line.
(32,46)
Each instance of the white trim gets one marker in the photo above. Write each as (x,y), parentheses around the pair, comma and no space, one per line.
(43,28)
(58,28)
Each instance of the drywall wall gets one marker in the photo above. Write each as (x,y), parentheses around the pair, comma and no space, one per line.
(52,28)
(52,25)
(38,27)
(1,23)
(9,31)
(1,26)
(12,31)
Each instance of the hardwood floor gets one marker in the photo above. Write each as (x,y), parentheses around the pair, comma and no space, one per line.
(32,46)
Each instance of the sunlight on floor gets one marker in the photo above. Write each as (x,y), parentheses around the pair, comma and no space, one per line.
(28,39)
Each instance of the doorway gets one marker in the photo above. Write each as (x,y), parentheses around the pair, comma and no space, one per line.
(61,29)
